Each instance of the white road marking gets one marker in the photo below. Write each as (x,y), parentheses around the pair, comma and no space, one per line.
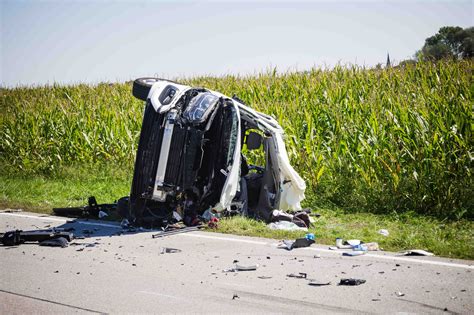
(48,218)
(160,294)
(236,285)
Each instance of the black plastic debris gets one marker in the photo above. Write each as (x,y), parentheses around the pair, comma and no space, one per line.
(241,268)
(317,283)
(264,277)
(354,253)
(168,250)
(298,243)
(55,242)
(416,252)
(91,210)
(18,237)
(300,275)
(235,296)
(178,231)
(351,281)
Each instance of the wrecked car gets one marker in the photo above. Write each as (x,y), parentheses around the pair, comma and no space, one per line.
(193,156)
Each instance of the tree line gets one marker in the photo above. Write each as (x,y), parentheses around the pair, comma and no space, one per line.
(450,42)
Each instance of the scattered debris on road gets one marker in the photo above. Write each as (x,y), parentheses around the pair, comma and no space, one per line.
(351,281)
(317,283)
(18,237)
(168,232)
(416,252)
(307,241)
(167,250)
(92,210)
(241,268)
(55,242)
(357,246)
(300,275)
(354,253)
(285,226)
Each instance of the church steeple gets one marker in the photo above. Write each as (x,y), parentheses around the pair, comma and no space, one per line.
(387,65)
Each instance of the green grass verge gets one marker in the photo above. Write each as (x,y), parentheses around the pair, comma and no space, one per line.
(70,186)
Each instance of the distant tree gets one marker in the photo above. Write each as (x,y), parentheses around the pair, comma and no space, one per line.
(450,42)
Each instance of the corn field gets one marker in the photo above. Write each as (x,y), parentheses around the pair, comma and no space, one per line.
(383,141)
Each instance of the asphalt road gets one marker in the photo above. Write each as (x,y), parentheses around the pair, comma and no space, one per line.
(111,273)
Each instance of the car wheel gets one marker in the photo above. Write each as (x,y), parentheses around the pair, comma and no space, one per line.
(123,207)
(142,86)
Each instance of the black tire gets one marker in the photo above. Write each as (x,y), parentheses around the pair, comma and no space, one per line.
(123,207)
(142,86)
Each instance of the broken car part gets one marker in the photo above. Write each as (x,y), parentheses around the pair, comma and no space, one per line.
(340,245)
(298,243)
(18,237)
(177,231)
(55,242)
(354,253)
(285,226)
(241,268)
(167,250)
(317,283)
(300,275)
(351,281)
(93,209)
(416,252)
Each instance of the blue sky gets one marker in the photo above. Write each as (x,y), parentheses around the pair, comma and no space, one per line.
(43,42)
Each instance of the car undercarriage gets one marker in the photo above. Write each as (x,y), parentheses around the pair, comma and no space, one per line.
(193,156)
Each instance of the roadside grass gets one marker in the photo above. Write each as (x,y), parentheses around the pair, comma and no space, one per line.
(70,186)
(67,187)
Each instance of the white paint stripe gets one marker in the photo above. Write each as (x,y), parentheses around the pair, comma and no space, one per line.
(159,294)
(48,218)
(236,285)
(226,239)
(333,252)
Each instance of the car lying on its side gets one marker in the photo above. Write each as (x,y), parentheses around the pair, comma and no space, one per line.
(191,157)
